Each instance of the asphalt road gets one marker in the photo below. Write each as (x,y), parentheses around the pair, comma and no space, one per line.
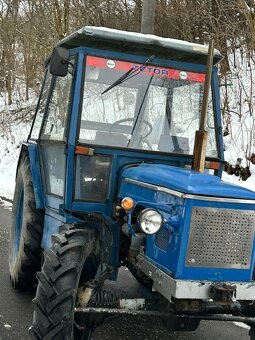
(16,309)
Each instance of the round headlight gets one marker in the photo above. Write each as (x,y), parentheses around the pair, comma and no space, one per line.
(150,221)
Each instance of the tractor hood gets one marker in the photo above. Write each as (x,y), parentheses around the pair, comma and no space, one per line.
(186,181)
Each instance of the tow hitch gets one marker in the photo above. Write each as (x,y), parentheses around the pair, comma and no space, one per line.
(222,293)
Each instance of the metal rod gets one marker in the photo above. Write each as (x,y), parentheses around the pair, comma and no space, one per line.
(223,317)
(199,152)
(119,311)
(220,317)
(208,78)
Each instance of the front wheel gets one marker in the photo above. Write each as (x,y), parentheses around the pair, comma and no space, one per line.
(69,265)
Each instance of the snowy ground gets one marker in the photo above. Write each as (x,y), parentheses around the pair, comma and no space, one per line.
(249,183)
(10,142)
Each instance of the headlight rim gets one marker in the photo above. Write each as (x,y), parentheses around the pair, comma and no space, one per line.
(142,213)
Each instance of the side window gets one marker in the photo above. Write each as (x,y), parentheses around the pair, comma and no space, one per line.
(41,106)
(56,118)
(54,128)
(54,164)
(92,178)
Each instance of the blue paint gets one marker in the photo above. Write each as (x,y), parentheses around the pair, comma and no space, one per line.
(36,175)
(72,137)
(52,222)
(90,207)
(186,181)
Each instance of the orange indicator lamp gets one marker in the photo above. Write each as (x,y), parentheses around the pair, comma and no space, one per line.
(127,203)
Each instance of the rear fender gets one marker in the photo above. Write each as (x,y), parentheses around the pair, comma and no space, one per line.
(31,151)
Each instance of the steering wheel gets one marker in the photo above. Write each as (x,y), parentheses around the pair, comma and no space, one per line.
(118,122)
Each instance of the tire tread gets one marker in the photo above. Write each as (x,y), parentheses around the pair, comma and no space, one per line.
(58,283)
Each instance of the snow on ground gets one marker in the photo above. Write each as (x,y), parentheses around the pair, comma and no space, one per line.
(10,142)
(14,128)
(248,184)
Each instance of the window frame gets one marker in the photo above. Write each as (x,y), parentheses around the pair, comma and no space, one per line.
(47,73)
(69,106)
(157,62)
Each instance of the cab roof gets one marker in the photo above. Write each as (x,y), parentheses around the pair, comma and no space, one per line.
(138,43)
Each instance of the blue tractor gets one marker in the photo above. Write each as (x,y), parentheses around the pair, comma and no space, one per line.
(105,180)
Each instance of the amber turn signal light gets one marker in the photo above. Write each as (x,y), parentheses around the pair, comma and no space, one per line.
(127,203)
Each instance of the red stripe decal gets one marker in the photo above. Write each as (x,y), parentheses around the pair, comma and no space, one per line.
(124,66)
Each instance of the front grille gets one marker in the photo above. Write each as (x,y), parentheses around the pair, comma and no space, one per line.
(163,238)
(220,238)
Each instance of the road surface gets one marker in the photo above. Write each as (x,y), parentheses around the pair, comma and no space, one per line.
(16,309)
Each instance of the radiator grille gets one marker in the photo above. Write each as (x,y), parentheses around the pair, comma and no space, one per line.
(163,238)
(220,238)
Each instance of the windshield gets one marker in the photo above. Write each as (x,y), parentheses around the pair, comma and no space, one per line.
(153,108)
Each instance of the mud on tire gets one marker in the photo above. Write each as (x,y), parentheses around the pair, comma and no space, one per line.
(26,231)
(67,266)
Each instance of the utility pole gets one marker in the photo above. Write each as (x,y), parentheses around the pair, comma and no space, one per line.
(148,16)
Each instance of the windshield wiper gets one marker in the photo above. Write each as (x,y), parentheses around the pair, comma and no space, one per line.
(138,118)
(129,74)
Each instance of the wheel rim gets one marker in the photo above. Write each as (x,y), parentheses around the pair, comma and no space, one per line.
(19,221)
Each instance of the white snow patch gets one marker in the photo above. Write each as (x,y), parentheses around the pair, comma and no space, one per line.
(7,205)
(6,325)
(10,141)
(242,325)
(248,184)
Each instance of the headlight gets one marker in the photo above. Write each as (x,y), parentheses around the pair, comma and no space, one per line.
(150,221)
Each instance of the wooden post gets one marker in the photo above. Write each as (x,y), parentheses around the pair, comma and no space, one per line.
(148,16)
(199,151)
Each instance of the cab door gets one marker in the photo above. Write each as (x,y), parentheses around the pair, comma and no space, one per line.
(53,139)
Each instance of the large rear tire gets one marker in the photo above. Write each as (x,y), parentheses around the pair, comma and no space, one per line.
(70,263)
(26,231)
